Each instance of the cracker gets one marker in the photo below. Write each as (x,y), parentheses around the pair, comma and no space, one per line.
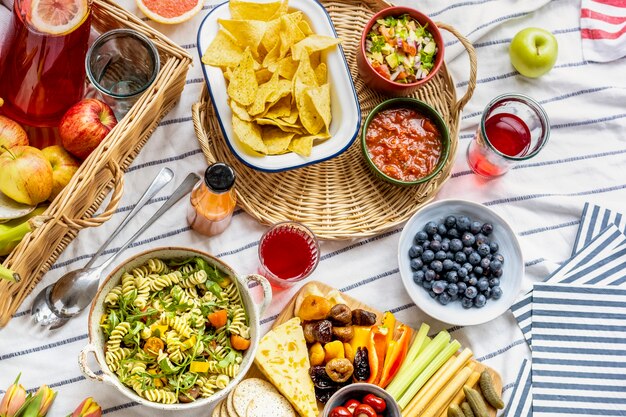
(270,405)
(229,406)
(247,390)
(223,411)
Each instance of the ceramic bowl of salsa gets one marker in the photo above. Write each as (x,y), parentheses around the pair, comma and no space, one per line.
(400,50)
(405,141)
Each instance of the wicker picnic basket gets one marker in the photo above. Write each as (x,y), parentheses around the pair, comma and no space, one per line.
(102,171)
(340,198)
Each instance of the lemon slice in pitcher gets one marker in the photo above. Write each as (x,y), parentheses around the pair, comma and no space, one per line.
(58,17)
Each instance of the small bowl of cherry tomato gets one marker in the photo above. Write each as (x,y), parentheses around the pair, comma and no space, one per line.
(361,400)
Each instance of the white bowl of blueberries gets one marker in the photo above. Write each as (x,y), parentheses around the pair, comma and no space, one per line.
(460,262)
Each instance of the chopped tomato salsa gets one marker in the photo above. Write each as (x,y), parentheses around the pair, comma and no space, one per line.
(403,144)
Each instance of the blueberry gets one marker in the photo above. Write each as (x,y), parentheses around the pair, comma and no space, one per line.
(430,275)
(497,273)
(452,276)
(461,286)
(498,257)
(476,227)
(468,239)
(445,245)
(487,229)
(435,245)
(444,299)
(449,255)
(440,255)
(474,258)
(468,250)
(424,269)
(496,292)
(495,265)
(456,245)
(428,256)
(427,284)
(471,292)
(468,267)
(439,286)
(437,237)
(421,236)
(478,271)
(485,263)
(490,257)
(472,281)
(494,247)
(442,229)
(462,272)
(447,264)
(483,249)
(453,233)
(450,221)
(456,266)
(430,228)
(418,277)
(460,257)
(467,302)
(487,293)
(416,263)
(436,266)
(482,284)
(494,282)
(463,223)
(480,239)
(480,301)
(432,294)
(426,245)
(415,251)
(452,289)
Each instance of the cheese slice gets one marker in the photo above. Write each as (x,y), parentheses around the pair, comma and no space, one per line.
(283,358)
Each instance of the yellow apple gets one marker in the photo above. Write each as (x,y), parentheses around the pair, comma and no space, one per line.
(64,166)
(25,175)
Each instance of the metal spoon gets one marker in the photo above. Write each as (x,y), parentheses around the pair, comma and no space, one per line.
(59,302)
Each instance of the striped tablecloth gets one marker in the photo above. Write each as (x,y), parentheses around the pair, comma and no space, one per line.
(542,198)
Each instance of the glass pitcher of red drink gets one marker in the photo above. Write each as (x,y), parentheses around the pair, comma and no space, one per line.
(43,72)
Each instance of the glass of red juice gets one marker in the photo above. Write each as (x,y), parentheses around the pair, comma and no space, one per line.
(513,128)
(288,253)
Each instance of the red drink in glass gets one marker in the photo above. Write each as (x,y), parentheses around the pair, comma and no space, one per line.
(43,73)
(288,253)
(513,128)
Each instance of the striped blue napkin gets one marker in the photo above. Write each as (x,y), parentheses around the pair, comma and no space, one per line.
(598,262)
(578,357)
(595,219)
(520,403)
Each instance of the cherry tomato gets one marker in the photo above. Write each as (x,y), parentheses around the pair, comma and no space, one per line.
(153,346)
(351,405)
(377,403)
(364,410)
(340,412)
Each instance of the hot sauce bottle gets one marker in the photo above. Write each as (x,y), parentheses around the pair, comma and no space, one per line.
(213,200)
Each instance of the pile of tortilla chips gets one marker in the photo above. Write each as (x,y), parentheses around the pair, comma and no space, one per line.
(277,85)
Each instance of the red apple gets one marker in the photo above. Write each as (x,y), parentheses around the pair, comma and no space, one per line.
(85,125)
(11,134)
(25,175)
(64,166)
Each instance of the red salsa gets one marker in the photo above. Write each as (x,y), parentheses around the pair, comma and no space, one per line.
(403,144)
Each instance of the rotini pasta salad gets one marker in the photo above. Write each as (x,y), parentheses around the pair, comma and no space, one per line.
(175,330)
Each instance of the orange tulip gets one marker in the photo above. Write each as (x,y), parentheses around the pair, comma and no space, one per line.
(88,408)
(13,399)
(47,398)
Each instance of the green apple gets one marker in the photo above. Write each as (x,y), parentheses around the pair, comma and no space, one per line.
(25,175)
(64,166)
(533,52)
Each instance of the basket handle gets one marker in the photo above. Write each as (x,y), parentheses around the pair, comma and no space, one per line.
(473,65)
(197,115)
(118,190)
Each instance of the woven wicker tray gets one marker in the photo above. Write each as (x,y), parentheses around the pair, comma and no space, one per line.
(340,198)
(103,170)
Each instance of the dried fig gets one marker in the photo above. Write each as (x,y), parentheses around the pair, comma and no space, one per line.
(340,315)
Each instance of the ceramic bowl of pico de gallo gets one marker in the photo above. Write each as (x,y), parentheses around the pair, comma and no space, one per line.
(401,49)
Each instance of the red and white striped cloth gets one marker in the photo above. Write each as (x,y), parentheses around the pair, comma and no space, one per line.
(603,29)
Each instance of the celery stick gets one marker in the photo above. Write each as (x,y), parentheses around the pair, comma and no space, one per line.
(427,372)
(419,343)
(401,382)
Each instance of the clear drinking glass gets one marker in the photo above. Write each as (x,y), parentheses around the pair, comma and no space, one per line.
(513,128)
(288,253)
(122,64)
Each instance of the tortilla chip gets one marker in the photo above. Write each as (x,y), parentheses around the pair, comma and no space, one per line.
(321,74)
(247,33)
(272,34)
(244,10)
(249,134)
(239,111)
(293,116)
(290,33)
(223,51)
(262,95)
(305,28)
(301,145)
(276,140)
(263,75)
(313,43)
(320,97)
(243,85)
(282,108)
(287,67)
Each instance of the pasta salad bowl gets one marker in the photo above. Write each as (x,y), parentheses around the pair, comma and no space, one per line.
(174,328)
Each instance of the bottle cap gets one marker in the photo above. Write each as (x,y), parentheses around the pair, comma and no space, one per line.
(219,177)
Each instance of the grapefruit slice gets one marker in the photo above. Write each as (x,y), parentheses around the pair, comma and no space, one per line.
(58,17)
(170,11)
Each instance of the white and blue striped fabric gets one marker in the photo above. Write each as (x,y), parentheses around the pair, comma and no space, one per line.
(593,221)
(578,357)
(598,262)
(521,402)
(542,198)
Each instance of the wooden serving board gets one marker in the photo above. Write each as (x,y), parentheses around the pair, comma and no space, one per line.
(288,313)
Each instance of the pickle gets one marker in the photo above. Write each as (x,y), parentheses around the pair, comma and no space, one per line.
(476,402)
(467,410)
(489,391)
(455,411)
